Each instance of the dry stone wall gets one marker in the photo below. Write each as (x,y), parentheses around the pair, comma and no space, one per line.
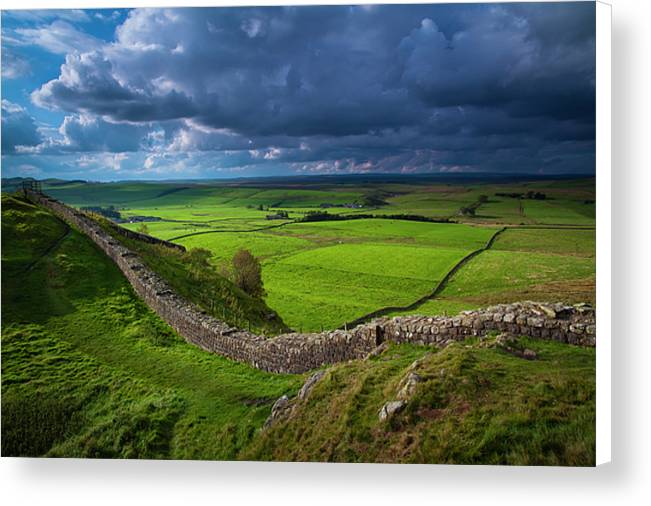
(132,234)
(298,353)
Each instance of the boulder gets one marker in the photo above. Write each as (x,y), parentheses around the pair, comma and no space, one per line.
(278,410)
(390,409)
(408,385)
(309,385)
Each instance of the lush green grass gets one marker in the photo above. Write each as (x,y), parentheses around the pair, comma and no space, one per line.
(195,279)
(498,271)
(88,370)
(562,242)
(263,245)
(23,241)
(103,194)
(335,284)
(197,213)
(442,235)
(560,212)
(501,210)
(436,202)
(524,264)
(178,231)
(324,274)
(309,295)
(312,307)
(416,263)
(475,405)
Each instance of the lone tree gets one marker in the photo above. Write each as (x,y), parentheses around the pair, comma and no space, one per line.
(247,273)
(143,229)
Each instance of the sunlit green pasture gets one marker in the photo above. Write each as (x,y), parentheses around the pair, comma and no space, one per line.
(326,273)
(263,245)
(560,212)
(331,285)
(524,264)
(89,371)
(440,202)
(540,240)
(406,232)
(501,210)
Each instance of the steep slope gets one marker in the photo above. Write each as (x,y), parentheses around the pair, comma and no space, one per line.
(488,402)
(89,370)
(193,277)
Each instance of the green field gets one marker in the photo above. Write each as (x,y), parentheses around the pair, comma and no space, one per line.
(89,371)
(350,280)
(323,274)
(524,264)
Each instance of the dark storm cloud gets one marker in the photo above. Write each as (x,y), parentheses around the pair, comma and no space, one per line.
(427,87)
(87,84)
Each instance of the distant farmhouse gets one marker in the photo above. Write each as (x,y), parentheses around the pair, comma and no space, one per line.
(280,215)
(138,219)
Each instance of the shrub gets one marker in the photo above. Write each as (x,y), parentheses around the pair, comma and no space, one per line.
(247,273)
(198,260)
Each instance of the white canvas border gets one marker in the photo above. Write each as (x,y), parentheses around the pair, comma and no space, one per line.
(109,482)
(604,245)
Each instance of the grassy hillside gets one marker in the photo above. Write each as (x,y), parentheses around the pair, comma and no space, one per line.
(89,370)
(193,277)
(322,274)
(326,273)
(476,404)
(23,241)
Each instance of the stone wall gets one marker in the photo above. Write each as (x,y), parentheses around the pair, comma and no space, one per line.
(132,234)
(298,353)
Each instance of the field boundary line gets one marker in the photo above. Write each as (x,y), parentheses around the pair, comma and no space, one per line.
(259,229)
(228,230)
(437,289)
(296,353)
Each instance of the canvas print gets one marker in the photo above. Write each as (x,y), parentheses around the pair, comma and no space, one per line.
(349,233)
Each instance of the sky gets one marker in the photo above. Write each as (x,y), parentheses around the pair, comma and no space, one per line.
(108,95)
